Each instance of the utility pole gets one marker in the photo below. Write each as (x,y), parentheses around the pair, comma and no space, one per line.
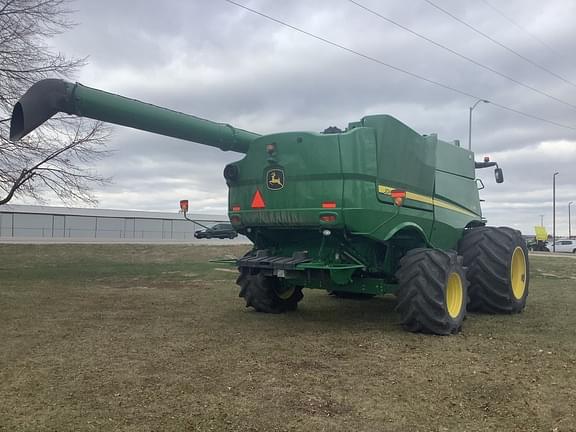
(554,212)
(569,223)
(541,220)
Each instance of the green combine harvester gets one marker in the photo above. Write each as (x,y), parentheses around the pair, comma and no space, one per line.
(375,209)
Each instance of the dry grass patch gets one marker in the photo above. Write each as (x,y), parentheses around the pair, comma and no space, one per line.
(148,338)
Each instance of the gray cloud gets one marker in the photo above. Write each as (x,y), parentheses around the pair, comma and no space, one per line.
(214,60)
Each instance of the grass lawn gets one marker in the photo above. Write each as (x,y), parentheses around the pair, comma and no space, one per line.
(155,338)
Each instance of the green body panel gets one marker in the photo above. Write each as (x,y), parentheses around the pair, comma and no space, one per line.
(400,150)
(324,197)
(459,192)
(312,166)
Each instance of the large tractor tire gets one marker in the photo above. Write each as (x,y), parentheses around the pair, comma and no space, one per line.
(498,270)
(432,293)
(268,294)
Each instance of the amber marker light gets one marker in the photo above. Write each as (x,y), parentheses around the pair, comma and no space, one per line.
(398,196)
(184,206)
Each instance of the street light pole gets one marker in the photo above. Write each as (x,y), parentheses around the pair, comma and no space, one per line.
(554,212)
(470,122)
(569,223)
(541,220)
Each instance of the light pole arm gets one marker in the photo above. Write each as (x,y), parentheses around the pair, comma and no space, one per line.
(470,121)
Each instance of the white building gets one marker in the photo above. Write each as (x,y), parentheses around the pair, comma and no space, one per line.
(66,224)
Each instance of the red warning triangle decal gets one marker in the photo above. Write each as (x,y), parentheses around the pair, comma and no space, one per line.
(258,201)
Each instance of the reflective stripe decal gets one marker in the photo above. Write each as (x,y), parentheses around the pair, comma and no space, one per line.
(386,190)
(420,198)
(447,205)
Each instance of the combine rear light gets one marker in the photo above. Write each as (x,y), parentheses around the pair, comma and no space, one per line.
(184,206)
(328,218)
(258,201)
(235,208)
(398,196)
(235,220)
(329,204)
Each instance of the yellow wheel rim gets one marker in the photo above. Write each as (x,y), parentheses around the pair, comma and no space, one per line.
(286,294)
(518,273)
(454,295)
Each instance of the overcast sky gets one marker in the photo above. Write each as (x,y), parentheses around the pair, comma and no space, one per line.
(215,60)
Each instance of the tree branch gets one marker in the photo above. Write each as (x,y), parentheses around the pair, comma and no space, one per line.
(54,158)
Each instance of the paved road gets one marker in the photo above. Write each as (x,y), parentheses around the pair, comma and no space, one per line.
(553,255)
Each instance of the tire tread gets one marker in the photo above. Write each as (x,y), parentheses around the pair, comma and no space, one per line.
(487,253)
(422,276)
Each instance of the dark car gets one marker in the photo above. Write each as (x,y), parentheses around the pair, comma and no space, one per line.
(220,231)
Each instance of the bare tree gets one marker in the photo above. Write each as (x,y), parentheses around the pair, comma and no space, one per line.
(56,158)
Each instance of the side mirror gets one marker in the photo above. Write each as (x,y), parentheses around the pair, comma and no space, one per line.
(499,175)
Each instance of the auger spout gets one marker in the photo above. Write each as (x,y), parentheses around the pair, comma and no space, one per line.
(51,96)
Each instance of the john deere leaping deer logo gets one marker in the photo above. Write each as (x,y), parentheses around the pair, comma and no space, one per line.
(275,179)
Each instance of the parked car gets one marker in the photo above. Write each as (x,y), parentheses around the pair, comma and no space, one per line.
(565,246)
(221,231)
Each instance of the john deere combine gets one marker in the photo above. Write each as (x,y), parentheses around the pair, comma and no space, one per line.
(374,209)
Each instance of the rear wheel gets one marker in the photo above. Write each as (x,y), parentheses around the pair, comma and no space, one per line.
(498,269)
(268,294)
(432,292)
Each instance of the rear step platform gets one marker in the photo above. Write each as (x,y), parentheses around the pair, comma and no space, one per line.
(264,260)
